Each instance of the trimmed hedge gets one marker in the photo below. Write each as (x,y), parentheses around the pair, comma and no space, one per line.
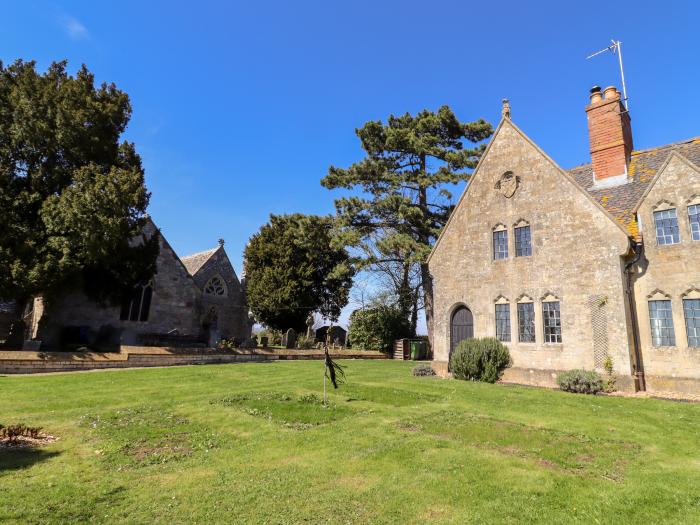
(480,360)
(581,381)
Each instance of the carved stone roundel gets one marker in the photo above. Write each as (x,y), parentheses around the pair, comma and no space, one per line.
(508,184)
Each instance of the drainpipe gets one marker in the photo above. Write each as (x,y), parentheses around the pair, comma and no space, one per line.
(639,382)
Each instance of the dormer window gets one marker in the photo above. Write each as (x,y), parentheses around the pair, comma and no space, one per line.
(666,223)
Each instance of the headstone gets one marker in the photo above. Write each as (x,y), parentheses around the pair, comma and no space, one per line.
(263,342)
(251,342)
(310,325)
(290,339)
(31,345)
(15,339)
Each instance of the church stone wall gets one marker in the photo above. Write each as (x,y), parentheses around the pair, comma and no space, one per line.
(175,298)
(576,258)
(231,310)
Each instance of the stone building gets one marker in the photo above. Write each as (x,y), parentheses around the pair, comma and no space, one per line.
(569,267)
(194,299)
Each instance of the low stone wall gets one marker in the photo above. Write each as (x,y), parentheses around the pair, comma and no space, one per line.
(18,362)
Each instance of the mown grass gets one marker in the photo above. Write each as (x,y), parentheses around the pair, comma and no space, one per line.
(251,443)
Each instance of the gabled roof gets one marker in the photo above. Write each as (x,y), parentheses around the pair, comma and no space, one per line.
(566,174)
(194,262)
(622,201)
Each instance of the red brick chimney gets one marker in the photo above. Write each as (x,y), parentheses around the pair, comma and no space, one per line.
(610,136)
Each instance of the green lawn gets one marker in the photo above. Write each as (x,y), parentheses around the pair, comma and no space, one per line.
(249,443)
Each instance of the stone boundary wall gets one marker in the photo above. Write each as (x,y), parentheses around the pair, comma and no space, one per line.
(17,362)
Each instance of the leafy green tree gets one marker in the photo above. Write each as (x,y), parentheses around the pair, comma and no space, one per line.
(404,202)
(377,327)
(294,268)
(72,195)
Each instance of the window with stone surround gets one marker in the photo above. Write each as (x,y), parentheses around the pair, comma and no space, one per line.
(526,322)
(661,319)
(215,286)
(551,319)
(523,241)
(694,218)
(137,305)
(500,244)
(666,223)
(691,310)
(503,322)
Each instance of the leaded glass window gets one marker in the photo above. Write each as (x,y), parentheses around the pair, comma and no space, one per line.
(137,305)
(500,244)
(661,318)
(526,322)
(523,243)
(552,322)
(503,322)
(691,309)
(694,218)
(666,223)
(215,286)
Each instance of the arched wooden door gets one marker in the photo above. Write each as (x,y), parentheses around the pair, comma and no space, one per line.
(461,326)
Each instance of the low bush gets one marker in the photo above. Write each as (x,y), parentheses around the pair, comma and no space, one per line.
(423,370)
(305,343)
(581,381)
(480,360)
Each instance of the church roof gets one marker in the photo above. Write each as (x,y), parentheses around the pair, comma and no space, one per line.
(195,261)
(621,201)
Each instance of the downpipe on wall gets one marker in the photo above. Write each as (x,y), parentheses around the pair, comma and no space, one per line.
(639,381)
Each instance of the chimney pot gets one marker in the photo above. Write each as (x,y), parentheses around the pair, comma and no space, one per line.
(595,95)
(611,93)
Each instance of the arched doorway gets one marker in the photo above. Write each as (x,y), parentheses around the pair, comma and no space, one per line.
(461,326)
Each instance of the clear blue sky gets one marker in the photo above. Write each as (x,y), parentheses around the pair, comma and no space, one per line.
(240,107)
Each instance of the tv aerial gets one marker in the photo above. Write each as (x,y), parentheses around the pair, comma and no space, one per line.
(615,48)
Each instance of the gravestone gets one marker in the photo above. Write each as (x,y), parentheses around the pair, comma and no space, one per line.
(15,338)
(290,339)
(263,341)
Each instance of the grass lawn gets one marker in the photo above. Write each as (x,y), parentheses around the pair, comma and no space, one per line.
(249,443)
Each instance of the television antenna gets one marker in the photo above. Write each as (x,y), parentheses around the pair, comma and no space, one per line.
(615,47)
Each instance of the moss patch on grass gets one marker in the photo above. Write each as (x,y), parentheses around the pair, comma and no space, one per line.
(146,435)
(576,453)
(297,412)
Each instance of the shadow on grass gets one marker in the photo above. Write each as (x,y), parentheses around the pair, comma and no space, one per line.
(23,457)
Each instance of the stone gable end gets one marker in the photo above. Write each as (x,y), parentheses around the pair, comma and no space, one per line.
(576,254)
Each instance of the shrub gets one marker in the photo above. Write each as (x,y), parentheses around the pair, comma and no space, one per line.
(305,343)
(422,370)
(480,360)
(610,376)
(581,381)
(376,328)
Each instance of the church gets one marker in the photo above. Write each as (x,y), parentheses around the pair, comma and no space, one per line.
(193,300)
(573,268)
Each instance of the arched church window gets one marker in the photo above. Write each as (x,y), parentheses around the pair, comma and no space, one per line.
(137,305)
(215,286)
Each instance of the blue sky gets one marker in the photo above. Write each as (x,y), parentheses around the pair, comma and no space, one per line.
(240,107)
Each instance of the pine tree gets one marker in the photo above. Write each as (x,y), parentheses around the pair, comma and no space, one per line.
(404,202)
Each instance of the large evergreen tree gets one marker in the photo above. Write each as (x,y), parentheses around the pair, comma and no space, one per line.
(404,202)
(293,268)
(72,194)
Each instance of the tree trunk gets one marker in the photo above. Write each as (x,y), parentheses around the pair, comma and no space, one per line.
(427,280)
(424,238)
(414,314)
